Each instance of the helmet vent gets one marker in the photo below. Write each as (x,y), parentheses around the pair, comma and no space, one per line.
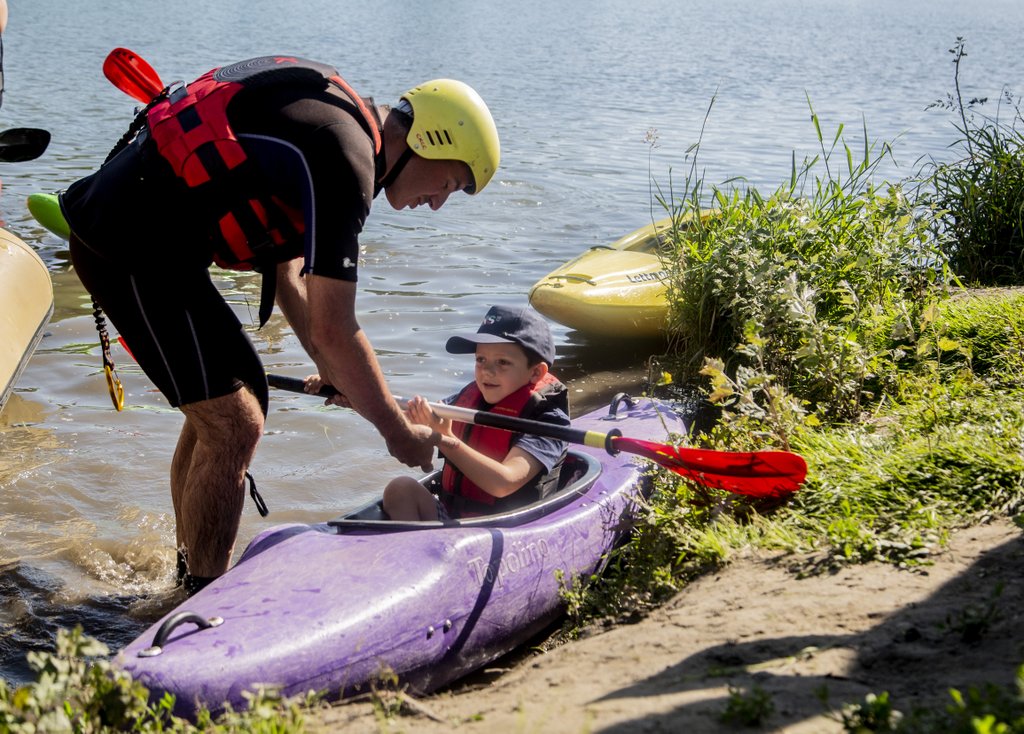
(439,137)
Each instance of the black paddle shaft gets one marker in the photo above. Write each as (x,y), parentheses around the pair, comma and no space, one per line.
(483,418)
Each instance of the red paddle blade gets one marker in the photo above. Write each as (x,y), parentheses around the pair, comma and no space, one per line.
(752,473)
(132,75)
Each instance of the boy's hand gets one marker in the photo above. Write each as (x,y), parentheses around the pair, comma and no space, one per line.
(312,385)
(418,410)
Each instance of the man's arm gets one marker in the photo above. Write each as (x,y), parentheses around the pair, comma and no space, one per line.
(292,299)
(333,338)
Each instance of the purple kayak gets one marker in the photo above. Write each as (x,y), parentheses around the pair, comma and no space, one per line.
(335,606)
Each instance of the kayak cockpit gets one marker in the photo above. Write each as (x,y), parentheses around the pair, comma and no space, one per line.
(578,474)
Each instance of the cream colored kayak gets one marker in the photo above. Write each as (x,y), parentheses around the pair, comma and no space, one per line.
(26,302)
(615,290)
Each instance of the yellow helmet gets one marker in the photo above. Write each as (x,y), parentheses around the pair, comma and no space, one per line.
(451,122)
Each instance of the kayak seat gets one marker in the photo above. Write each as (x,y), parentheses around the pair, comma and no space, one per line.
(578,474)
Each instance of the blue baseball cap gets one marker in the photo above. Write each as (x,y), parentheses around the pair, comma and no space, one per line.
(505,324)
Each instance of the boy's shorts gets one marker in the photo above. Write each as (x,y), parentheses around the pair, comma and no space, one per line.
(442,513)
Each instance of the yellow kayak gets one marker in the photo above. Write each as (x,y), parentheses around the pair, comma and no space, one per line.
(615,290)
(26,302)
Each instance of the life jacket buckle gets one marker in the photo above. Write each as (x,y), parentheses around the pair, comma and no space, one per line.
(176,91)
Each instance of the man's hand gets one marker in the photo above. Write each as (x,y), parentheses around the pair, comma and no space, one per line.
(416,447)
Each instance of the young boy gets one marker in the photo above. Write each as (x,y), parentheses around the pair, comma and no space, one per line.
(489,470)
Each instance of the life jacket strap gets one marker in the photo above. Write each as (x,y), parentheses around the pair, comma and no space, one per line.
(268,288)
(261,506)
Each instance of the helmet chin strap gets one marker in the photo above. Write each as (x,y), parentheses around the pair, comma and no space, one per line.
(390,176)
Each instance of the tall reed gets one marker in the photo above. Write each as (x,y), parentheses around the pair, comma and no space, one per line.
(979,196)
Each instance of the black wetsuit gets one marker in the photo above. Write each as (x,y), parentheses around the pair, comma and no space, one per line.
(142,244)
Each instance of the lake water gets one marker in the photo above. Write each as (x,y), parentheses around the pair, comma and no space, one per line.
(579,91)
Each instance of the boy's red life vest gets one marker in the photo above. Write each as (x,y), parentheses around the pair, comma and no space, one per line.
(190,128)
(463,498)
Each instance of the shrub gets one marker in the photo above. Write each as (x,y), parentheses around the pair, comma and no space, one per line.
(808,285)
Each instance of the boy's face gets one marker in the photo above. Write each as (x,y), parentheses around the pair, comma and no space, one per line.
(501,369)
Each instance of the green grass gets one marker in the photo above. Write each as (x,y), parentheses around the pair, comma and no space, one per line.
(982,709)
(747,708)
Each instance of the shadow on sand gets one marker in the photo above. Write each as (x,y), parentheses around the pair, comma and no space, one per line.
(966,634)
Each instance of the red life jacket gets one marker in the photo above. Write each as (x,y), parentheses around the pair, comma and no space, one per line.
(191,131)
(463,498)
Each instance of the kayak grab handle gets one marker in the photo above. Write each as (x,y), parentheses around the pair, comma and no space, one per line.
(169,626)
(577,278)
(613,409)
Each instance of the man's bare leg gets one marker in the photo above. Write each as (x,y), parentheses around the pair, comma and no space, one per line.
(216,446)
(179,472)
